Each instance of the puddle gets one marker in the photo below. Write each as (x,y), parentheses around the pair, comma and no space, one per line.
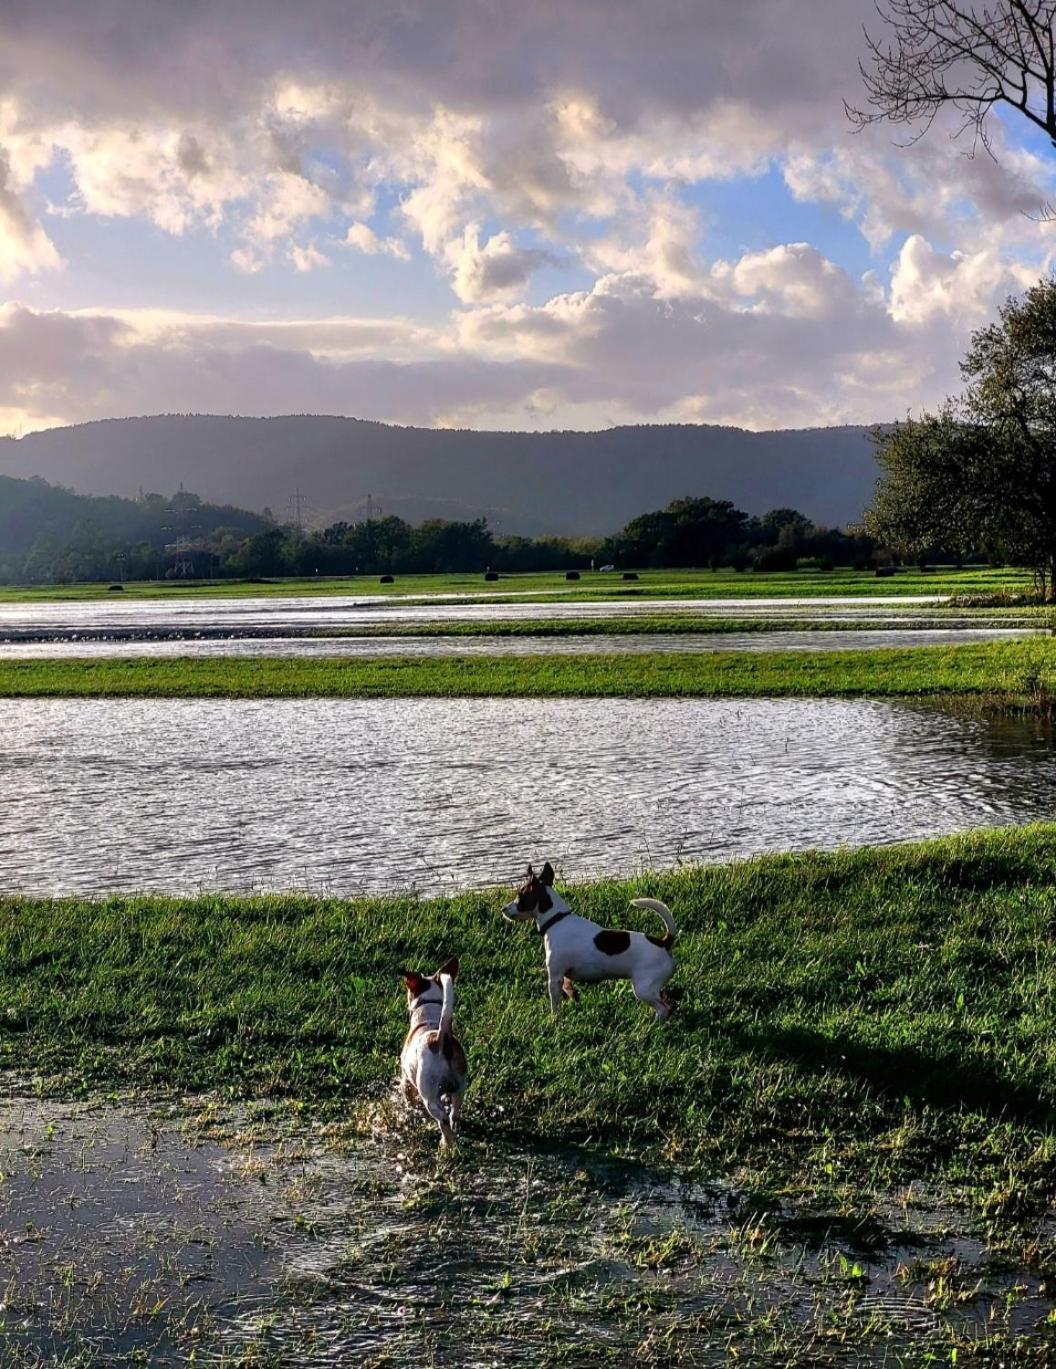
(373,795)
(190,1234)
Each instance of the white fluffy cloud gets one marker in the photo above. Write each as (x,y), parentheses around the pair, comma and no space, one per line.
(477,145)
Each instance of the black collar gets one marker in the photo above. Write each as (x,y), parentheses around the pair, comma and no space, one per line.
(553,921)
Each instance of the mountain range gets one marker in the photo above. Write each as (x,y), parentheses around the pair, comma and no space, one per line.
(316,469)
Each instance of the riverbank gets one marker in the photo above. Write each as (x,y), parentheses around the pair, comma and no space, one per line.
(1019,674)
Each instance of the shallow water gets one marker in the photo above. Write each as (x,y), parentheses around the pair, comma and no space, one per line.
(350,796)
(590,644)
(192,1232)
(283,614)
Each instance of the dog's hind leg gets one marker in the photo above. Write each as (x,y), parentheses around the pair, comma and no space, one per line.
(438,1113)
(455,1107)
(569,989)
(556,991)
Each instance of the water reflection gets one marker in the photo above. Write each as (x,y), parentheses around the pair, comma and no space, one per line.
(369,795)
(282,614)
(594,644)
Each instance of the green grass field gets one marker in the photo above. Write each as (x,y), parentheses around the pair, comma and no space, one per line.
(593,585)
(839,1151)
(1023,673)
(844,1021)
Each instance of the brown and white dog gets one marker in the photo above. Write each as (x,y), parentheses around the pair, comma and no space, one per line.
(432,1062)
(577,949)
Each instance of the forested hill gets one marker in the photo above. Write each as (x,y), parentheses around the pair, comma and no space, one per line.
(549,482)
(39,521)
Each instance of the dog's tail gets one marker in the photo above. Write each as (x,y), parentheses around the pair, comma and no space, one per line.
(664,913)
(447,1008)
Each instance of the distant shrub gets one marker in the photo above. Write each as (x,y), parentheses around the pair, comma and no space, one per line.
(117,589)
(571,574)
(774,558)
(884,572)
(491,575)
(630,575)
(388,580)
(815,563)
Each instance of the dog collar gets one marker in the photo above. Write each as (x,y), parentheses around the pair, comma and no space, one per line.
(553,921)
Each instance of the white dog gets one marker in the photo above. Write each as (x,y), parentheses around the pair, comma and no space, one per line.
(579,949)
(432,1061)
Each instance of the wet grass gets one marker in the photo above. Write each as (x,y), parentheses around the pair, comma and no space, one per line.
(1019,674)
(840,1150)
(251,1236)
(724,584)
(911,618)
(846,1022)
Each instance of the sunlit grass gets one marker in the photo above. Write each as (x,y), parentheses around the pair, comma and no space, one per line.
(1020,672)
(848,1018)
(592,585)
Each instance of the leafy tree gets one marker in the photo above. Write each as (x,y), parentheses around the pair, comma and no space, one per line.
(981,473)
(689,532)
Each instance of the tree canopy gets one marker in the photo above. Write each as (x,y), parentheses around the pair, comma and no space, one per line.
(981,473)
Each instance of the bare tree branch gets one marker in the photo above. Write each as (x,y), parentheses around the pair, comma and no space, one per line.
(966,55)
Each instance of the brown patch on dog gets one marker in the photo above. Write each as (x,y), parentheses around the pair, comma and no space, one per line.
(664,942)
(421,1027)
(612,943)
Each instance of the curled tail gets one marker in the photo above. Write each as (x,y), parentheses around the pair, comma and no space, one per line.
(664,913)
(447,1008)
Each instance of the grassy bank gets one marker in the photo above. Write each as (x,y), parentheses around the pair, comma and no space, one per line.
(1018,672)
(723,584)
(908,619)
(853,1019)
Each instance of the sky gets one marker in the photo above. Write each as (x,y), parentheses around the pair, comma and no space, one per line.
(485,214)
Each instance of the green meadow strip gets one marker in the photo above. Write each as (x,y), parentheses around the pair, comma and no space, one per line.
(722,584)
(1022,673)
(842,1019)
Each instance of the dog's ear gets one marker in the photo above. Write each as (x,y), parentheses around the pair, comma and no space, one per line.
(545,901)
(547,876)
(448,967)
(415,982)
(531,873)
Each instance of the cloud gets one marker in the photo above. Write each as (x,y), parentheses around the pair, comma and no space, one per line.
(963,286)
(496,269)
(307,258)
(362,238)
(24,246)
(590,137)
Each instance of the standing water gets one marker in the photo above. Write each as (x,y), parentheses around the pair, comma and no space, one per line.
(351,796)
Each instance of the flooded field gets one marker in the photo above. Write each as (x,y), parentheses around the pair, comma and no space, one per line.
(351,796)
(282,615)
(588,644)
(193,1233)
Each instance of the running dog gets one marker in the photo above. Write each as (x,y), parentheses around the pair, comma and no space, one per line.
(577,949)
(432,1062)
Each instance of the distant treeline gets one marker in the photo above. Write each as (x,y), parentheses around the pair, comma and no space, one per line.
(50,535)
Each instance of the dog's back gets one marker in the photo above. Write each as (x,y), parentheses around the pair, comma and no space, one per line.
(432,1061)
